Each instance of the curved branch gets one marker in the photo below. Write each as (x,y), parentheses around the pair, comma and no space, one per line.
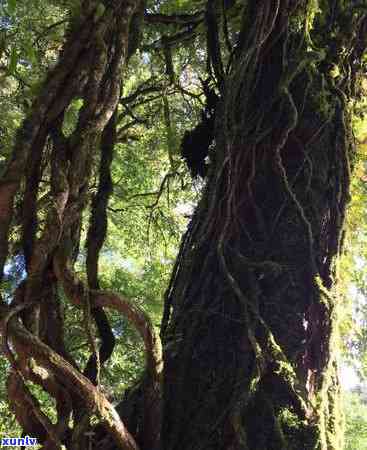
(18,387)
(95,240)
(78,383)
(143,324)
(106,299)
(174,40)
(175,19)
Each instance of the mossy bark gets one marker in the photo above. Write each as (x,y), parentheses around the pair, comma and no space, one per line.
(251,312)
(90,65)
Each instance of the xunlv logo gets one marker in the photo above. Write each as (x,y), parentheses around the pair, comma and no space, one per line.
(10,442)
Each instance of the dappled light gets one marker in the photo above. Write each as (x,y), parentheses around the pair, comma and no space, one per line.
(183,224)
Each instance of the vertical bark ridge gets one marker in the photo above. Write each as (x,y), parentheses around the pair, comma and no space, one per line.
(251,309)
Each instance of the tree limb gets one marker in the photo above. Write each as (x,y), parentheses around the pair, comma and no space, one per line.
(174,19)
(78,383)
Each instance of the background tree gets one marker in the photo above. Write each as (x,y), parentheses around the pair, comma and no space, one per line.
(251,311)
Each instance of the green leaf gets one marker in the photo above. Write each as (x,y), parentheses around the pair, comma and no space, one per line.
(12,4)
(99,12)
(2,43)
(30,53)
(14,57)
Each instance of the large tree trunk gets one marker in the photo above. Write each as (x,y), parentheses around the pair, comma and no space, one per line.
(249,326)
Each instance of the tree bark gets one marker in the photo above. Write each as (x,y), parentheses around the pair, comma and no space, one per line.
(89,68)
(250,319)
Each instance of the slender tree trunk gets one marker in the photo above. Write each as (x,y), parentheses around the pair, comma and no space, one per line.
(250,321)
(97,47)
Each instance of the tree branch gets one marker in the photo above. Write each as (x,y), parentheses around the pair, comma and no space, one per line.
(106,299)
(174,19)
(78,383)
